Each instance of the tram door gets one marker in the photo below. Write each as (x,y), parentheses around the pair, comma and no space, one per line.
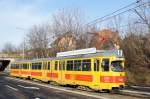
(20,67)
(61,71)
(49,70)
(97,72)
(44,71)
(105,70)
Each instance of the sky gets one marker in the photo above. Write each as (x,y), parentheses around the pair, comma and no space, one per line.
(17,16)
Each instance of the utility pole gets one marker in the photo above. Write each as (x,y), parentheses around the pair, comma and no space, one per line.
(23,49)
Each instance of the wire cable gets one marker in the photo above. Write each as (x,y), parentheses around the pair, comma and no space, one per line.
(107,16)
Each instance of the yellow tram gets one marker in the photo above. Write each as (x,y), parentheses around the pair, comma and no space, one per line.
(98,70)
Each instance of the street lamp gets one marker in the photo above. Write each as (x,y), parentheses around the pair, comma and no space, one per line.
(23,50)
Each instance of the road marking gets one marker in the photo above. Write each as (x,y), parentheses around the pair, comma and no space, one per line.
(29,87)
(62,89)
(37,98)
(11,87)
(136,92)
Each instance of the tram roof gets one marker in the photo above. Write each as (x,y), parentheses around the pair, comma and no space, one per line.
(101,53)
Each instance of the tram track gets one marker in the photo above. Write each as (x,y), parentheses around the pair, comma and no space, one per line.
(130,93)
(135,94)
(139,88)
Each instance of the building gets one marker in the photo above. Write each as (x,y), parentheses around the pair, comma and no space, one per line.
(65,42)
(105,39)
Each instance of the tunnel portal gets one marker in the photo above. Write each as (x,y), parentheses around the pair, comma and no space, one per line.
(4,64)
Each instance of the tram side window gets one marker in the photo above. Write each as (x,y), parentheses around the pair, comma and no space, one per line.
(44,65)
(56,65)
(105,64)
(36,66)
(28,66)
(86,65)
(12,66)
(70,65)
(25,66)
(77,65)
(33,66)
(96,65)
(17,66)
(49,65)
(39,66)
(20,66)
(62,65)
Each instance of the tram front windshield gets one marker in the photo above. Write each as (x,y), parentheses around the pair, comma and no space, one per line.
(117,66)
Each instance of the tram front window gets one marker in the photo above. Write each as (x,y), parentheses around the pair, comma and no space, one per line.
(117,66)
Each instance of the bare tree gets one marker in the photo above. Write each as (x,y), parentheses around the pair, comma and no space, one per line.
(143,13)
(65,21)
(67,24)
(9,48)
(38,41)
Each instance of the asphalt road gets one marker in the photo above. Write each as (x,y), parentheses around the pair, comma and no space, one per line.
(12,88)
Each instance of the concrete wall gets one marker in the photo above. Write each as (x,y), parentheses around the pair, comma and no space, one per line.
(7,69)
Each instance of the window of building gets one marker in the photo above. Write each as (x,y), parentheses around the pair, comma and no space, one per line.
(77,65)
(86,65)
(70,65)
